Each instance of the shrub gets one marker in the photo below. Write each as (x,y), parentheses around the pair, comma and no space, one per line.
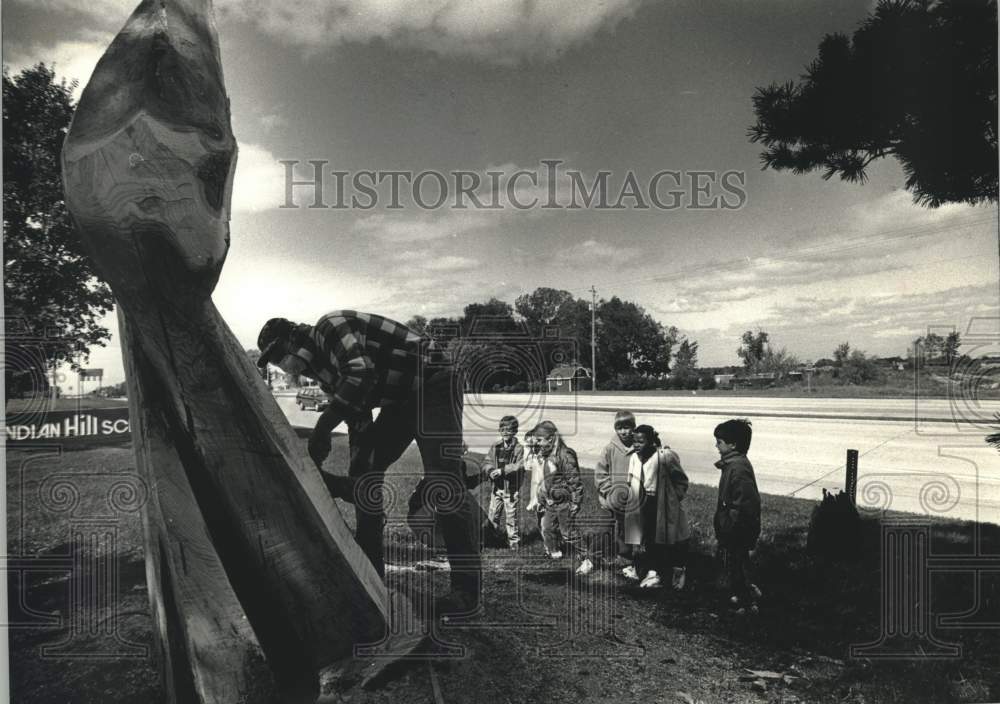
(835,528)
(630,382)
(861,369)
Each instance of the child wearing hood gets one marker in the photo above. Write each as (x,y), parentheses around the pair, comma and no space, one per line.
(611,478)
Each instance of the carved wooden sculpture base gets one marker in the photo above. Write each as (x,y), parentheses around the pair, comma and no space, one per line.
(255,581)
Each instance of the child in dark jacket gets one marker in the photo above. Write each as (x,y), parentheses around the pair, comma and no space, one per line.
(504,465)
(737,512)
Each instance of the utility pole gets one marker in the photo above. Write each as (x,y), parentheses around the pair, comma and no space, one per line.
(593,340)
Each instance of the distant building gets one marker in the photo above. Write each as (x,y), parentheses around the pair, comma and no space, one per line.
(724,381)
(757,381)
(896,363)
(569,378)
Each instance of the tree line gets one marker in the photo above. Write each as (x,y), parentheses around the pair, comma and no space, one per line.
(516,346)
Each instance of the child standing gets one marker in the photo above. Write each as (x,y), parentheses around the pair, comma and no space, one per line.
(656,524)
(560,491)
(504,465)
(611,478)
(533,467)
(737,512)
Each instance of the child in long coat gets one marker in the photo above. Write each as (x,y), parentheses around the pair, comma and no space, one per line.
(656,522)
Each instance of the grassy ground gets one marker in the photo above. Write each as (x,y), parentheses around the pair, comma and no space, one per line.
(549,637)
(21,405)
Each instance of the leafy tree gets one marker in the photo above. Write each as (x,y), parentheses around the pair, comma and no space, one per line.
(687,355)
(684,374)
(49,283)
(630,340)
(841,354)
(494,317)
(753,347)
(860,369)
(951,344)
(543,306)
(686,360)
(548,311)
(417,323)
(932,344)
(494,348)
(994,438)
(777,362)
(917,81)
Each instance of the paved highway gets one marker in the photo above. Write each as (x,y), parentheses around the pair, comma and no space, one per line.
(925,457)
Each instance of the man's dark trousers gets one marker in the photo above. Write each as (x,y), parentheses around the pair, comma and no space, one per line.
(432,417)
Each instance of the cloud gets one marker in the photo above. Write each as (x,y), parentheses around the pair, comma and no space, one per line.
(272,121)
(72,60)
(593,252)
(882,316)
(497,31)
(403,228)
(451,263)
(260,180)
(95,8)
(709,299)
(426,261)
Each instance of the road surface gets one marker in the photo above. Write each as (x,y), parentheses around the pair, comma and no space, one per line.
(923,457)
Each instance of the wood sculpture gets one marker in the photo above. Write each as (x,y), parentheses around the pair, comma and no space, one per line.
(255,581)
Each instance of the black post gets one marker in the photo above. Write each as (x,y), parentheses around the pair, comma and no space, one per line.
(852,476)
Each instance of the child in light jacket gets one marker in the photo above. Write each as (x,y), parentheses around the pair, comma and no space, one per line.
(611,478)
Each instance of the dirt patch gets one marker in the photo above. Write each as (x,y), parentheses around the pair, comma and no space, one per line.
(543,634)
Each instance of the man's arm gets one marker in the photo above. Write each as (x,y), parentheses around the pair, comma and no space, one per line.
(319,440)
(343,341)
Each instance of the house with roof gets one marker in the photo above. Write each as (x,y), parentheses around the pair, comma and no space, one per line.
(569,378)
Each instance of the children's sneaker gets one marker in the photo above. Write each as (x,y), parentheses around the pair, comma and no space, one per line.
(679,579)
(556,554)
(630,573)
(652,581)
(586,567)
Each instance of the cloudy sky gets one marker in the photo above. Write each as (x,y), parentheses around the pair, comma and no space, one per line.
(495,86)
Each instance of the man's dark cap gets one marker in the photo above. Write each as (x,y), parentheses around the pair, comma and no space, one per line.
(271,340)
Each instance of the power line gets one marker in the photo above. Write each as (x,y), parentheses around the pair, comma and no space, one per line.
(593,340)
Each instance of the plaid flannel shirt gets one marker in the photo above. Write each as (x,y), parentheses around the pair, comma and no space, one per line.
(365,361)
